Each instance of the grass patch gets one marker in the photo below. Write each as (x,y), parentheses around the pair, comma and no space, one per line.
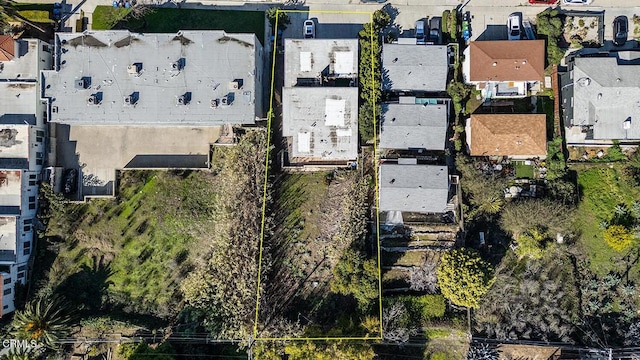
(601,187)
(524,171)
(37,16)
(165,20)
(106,17)
(136,249)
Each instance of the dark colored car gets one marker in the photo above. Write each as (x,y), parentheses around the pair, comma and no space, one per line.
(620,30)
(435,30)
(543,2)
(70,181)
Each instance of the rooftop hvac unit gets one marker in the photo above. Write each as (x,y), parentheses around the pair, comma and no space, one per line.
(627,124)
(225,100)
(234,85)
(129,100)
(83,83)
(134,69)
(93,99)
(182,100)
(215,103)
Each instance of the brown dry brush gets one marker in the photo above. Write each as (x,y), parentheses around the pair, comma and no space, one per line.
(223,288)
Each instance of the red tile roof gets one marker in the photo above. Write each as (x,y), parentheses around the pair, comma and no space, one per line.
(506,60)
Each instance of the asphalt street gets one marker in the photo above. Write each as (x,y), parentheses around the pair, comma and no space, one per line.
(486,14)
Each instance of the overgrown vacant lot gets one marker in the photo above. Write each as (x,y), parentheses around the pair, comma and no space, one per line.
(602,188)
(318,218)
(170,243)
(134,249)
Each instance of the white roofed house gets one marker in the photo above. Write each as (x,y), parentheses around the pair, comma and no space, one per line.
(22,156)
(415,69)
(320,102)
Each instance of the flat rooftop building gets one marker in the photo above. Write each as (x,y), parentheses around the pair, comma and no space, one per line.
(322,122)
(320,101)
(417,68)
(413,126)
(189,78)
(310,62)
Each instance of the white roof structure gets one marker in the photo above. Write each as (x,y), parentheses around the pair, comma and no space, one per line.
(122,78)
(10,189)
(14,142)
(322,121)
(8,234)
(308,60)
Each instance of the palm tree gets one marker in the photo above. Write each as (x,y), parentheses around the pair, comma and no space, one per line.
(7,10)
(45,319)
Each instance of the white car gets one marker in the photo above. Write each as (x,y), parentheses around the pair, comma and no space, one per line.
(309,29)
(513,26)
(576,2)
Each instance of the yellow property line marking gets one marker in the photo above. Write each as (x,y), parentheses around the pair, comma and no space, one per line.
(270,115)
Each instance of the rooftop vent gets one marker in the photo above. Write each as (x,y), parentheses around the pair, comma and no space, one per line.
(95,99)
(495,63)
(585,81)
(228,99)
(184,99)
(215,103)
(177,65)
(235,84)
(132,99)
(83,83)
(134,69)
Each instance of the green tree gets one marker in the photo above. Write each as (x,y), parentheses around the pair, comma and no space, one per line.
(381,20)
(328,351)
(556,163)
(458,92)
(532,244)
(464,277)
(618,237)
(282,18)
(45,319)
(354,275)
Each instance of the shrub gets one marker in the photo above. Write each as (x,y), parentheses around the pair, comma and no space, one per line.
(581,23)
(431,306)
(531,244)
(464,277)
(618,237)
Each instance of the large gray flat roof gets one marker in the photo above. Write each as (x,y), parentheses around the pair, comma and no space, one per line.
(188,78)
(322,121)
(311,58)
(414,188)
(413,126)
(25,65)
(415,67)
(607,96)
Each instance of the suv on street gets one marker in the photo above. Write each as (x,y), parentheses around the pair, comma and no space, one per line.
(435,30)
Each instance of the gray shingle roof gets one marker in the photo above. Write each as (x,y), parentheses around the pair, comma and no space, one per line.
(413,126)
(607,96)
(413,188)
(415,67)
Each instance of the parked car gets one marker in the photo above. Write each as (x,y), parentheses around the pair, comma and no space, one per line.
(435,30)
(513,26)
(309,29)
(421,38)
(576,2)
(70,181)
(620,30)
(542,2)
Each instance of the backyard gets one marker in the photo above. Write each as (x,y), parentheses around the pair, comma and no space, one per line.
(167,20)
(316,217)
(601,188)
